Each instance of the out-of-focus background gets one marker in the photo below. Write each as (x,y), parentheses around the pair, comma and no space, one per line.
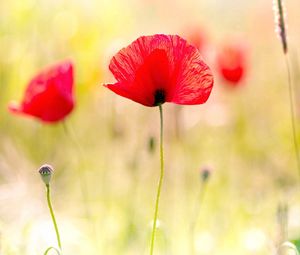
(242,133)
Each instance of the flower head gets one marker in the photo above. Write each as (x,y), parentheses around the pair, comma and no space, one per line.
(46,173)
(49,95)
(205,173)
(198,37)
(231,63)
(280,24)
(161,68)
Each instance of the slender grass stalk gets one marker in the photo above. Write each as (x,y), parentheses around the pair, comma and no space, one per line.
(205,175)
(292,111)
(53,217)
(160,180)
(279,10)
(81,174)
(280,25)
(282,219)
(83,183)
(195,217)
(178,121)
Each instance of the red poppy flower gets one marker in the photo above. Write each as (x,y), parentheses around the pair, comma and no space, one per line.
(49,95)
(161,68)
(197,37)
(231,62)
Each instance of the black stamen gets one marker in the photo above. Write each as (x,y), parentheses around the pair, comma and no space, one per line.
(159,97)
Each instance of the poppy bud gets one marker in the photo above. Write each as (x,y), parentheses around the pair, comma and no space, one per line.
(205,173)
(151,144)
(46,173)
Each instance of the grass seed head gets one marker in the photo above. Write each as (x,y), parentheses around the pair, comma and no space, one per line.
(280,24)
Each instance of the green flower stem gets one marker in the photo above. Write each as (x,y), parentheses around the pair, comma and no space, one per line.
(53,217)
(195,217)
(160,180)
(82,179)
(81,173)
(292,113)
(52,248)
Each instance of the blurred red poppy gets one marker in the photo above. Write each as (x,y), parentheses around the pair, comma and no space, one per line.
(231,63)
(197,36)
(161,68)
(49,95)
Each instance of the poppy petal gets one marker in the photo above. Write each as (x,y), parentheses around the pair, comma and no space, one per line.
(143,67)
(122,90)
(163,68)
(49,95)
(194,80)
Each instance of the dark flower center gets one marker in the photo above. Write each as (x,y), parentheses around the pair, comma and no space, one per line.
(159,97)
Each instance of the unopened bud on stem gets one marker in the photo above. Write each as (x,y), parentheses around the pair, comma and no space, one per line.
(205,173)
(46,173)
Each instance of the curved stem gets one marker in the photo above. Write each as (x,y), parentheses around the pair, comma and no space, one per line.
(52,248)
(292,109)
(288,246)
(52,216)
(160,180)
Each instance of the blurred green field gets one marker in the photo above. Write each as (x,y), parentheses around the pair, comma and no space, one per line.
(243,134)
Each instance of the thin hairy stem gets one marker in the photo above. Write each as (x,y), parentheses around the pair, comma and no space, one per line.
(53,217)
(292,110)
(195,217)
(160,180)
(81,175)
(82,181)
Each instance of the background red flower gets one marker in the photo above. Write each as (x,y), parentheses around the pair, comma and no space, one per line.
(161,68)
(49,95)
(198,37)
(231,63)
